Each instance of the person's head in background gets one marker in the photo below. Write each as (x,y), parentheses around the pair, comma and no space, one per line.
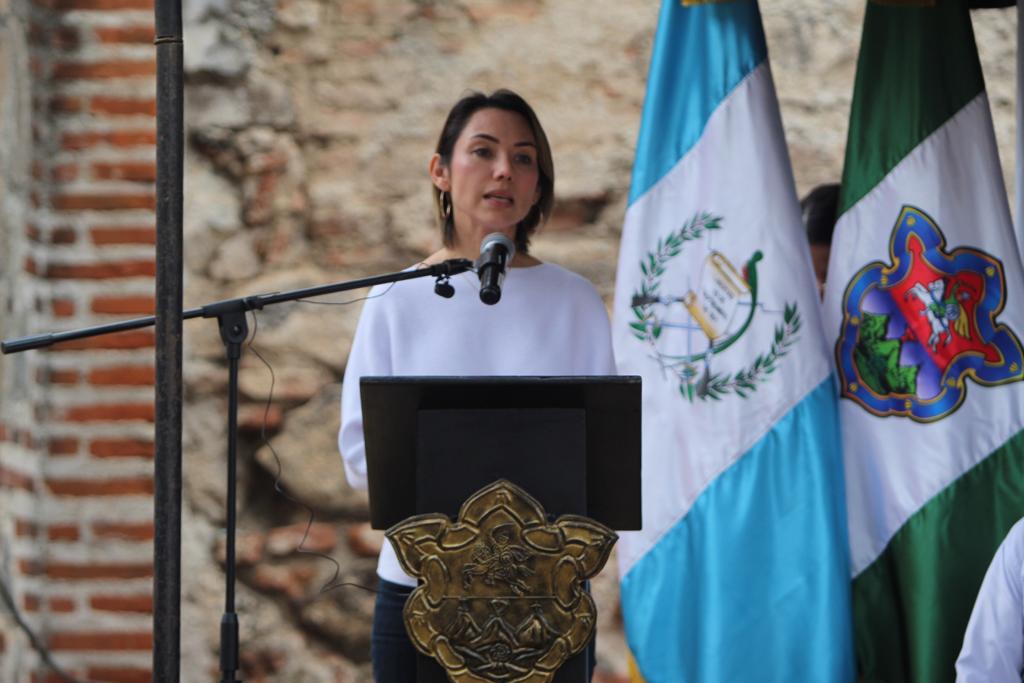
(819,209)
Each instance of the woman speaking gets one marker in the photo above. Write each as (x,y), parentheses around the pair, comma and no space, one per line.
(492,172)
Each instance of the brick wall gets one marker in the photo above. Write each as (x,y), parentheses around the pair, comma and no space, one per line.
(79,461)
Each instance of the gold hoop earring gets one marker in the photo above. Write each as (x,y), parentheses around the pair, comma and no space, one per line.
(446,205)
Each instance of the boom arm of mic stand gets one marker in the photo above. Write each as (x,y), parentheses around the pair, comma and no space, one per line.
(249,303)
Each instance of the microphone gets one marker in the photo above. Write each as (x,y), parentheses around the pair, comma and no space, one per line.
(496,252)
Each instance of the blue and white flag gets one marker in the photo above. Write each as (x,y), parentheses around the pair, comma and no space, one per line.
(741,572)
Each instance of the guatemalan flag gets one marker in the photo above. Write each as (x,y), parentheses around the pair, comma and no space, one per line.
(741,571)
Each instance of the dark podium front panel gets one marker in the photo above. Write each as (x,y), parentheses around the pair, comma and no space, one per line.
(535,449)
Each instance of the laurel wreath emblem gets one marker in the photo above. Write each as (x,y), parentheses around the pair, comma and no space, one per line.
(696,381)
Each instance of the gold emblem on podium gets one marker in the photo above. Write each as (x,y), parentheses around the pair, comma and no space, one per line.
(502,597)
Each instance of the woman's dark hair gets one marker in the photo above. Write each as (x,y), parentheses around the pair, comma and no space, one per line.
(457,119)
(820,210)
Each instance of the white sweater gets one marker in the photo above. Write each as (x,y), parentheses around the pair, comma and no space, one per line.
(549,321)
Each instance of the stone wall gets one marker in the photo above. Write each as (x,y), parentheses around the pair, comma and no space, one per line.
(309,127)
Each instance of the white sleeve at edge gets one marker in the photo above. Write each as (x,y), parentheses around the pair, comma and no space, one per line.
(369,356)
(993,649)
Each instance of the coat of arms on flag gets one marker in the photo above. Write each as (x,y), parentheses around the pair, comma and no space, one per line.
(711,315)
(914,330)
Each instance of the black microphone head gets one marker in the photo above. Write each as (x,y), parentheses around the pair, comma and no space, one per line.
(490,295)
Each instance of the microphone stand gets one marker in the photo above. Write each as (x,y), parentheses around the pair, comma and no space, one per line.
(231,319)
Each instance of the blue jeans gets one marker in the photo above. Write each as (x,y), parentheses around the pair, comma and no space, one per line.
(391,651)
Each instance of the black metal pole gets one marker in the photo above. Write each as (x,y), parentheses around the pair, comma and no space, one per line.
(170,152)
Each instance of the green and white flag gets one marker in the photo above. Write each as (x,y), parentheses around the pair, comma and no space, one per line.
(926,296)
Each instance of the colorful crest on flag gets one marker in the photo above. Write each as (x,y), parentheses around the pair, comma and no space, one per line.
(687,332)
(914,330)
